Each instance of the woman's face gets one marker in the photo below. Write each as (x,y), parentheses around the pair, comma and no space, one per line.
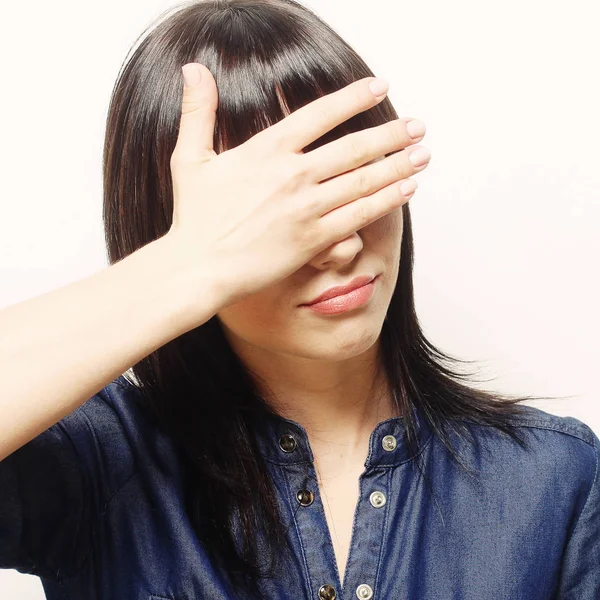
(271,320)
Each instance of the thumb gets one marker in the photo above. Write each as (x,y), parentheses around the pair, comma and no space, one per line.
(198,113)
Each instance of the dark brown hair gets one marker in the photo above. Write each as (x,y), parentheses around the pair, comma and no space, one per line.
(269,58)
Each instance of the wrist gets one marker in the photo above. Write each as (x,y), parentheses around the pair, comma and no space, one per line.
(194,292)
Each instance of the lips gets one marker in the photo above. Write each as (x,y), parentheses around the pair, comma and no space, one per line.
(340,290)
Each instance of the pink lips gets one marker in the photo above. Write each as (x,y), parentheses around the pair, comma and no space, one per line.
(340,290)
(343,298)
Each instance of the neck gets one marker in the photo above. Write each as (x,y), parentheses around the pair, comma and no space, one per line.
(338,403)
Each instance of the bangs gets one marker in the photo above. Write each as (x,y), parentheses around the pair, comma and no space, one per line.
(266,68)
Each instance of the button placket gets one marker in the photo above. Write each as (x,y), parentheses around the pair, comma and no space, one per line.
(368,537)
(308,514)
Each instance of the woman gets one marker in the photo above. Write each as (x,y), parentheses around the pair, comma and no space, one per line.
(263,444)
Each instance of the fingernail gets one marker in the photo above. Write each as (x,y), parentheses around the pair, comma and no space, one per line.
(415,128)
(419,157)
(408,186)
(379,86)
(191,74)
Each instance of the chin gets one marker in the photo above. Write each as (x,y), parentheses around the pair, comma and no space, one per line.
(337,341)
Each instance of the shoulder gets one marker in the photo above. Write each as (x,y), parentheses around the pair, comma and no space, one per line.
(114,414)
(538,425)
(114,433)
(566,439)
(538,419)
(561,451)
(117,407)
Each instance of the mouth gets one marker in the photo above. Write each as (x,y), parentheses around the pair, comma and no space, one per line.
(356,298)
(341,290)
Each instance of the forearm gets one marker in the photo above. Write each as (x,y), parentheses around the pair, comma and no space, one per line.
(59,349)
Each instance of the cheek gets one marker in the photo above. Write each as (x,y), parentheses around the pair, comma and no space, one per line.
(385,234)
(394,222)
(255,318)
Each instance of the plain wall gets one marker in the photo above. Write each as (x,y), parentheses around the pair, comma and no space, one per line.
(506,217)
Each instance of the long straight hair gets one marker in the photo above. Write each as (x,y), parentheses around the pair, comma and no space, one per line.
(269,58)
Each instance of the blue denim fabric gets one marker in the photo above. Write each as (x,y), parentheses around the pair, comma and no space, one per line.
(94,507)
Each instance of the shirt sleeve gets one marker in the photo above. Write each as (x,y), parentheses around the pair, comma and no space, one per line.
(580,573)
(45,507)
(56,490)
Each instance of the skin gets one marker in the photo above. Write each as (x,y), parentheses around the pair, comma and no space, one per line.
(320,369)
(316,370)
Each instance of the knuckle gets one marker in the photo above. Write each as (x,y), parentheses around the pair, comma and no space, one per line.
(399,137)
(360,95)
(191,105)
(310,204)
(324,113)
(305,235)
(299,169)
(362,215)
(398,164)
(362,182)
(355,149)
(292,174)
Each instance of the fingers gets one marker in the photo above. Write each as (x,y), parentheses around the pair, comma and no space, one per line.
(355,149)
(340,223)
(367,180)
(310,122)
(198,114)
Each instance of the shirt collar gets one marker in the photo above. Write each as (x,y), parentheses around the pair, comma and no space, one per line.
(285,442)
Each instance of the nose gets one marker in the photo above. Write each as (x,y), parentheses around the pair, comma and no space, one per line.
(340,253)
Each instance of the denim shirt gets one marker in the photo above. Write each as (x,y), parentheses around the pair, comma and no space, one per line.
(94,507)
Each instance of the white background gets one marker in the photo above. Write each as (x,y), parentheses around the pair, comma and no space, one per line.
(506,217)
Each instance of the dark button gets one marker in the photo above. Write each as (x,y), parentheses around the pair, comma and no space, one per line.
(327,592)
(305,497)
(287,442)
